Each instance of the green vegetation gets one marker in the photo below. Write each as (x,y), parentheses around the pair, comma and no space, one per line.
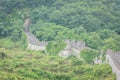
(55,47)
(29,65)
(97,22)
(88,55)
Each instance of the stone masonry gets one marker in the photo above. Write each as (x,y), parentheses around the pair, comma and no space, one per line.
(113,58)
(72,48)
(33,42)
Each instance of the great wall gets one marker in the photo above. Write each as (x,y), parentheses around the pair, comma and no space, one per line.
(113,58)
(72,48)
(33,42)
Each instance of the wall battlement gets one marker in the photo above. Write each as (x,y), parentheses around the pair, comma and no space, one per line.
(75,44)
(72,48)
(33,42)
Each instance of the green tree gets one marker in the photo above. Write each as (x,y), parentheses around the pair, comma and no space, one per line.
(112,43)
(88,55)
(16,35)
(92,40)
(55,47)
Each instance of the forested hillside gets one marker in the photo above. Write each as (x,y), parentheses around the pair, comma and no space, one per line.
(96,22)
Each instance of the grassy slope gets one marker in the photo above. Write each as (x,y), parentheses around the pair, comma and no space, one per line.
(30,65)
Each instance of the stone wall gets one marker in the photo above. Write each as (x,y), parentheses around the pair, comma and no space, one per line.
(79,45)
(26,25)
(113,66)
(72,48)
(36,47)
(113,59)
(33,42)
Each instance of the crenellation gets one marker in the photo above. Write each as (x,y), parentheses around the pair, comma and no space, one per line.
(109,51)
(44,43)
(73,48)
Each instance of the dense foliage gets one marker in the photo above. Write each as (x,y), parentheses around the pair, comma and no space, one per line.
(55,47)
(97,22)
(29,65)
(88,55)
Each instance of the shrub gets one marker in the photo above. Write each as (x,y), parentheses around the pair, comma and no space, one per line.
(88,55)
(55,47)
